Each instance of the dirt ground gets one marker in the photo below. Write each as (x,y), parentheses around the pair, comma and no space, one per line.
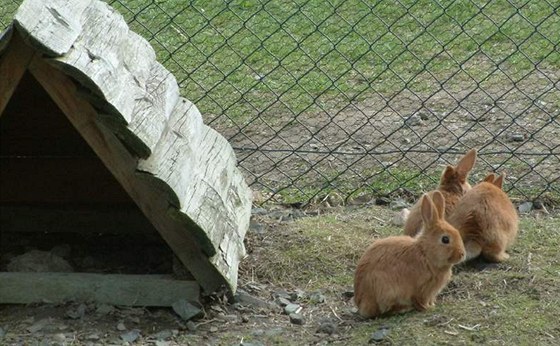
(397,138)
(306,258)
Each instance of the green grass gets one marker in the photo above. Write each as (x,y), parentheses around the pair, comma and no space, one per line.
(248,56)
(275,60)
(516,302)
(300,56)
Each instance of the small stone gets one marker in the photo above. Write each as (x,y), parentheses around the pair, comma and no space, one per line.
(423,114)
(296,318)
(298,214)
(37,326)
(327,327)
(287,218)
(414,120)
(282,301)
(516,137)
(256,227)
(316,298)
(382,201)
(245,298)
(93,336)
(278,214)
(185,310)
(259,211)
(281,294)
(59,337)
(213,329)
(162,343)
(292,308)
(297,295)
(398,204)
(379,335)
(525,207)
(130,336)
(121,326)
(399,219)
(191,327)
(348,294)
(244,319)
(163,335)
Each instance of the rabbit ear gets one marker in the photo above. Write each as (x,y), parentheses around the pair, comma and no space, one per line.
(439,203)
(490,178)
(466,163)
(448,173)
(499,181)
(429,213)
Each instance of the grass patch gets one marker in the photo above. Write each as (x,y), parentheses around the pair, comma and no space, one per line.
(248,57)
(516,302)
(319,252)
(282,62)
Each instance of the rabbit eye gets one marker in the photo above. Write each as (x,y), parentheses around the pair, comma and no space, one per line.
(445,239)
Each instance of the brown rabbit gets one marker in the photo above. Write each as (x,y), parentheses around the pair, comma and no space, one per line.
(401,273)
(453,185)
(487,220)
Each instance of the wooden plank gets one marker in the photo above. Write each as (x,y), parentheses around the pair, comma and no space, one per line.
(200,167)
(123,166)
(13,64)
(37,20)
(76,219)
(120,66)
(114,289)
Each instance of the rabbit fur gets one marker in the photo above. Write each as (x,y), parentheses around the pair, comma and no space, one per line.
(487,220)
(401,273)
(453,185)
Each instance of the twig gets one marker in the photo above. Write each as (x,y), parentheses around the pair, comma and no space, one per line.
(206,322)
(472,329)
(444,323)
(450,332)
(335,314)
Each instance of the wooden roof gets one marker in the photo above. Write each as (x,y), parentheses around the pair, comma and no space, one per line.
(105,78)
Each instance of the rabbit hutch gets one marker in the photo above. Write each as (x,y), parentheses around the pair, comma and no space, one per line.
(112,189)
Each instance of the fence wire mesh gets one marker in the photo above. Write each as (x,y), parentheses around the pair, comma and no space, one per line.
(354,98)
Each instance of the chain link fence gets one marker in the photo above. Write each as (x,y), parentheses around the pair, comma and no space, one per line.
(356,99)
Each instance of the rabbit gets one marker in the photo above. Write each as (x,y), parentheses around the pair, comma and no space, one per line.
(487,220)
(453,185)
(402,273)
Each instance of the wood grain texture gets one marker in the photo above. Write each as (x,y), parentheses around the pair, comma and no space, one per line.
(114,289)
(123,166)
(52,25)
(180,172)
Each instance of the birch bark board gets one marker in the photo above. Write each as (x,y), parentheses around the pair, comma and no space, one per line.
(180,172)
